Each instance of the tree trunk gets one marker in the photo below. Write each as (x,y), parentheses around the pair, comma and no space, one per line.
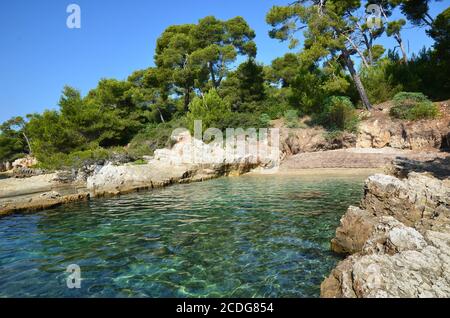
(161,115)
(213,76)
(369,49)
(361,55)
(28,143)
(402,48)
(187,99)
(359,85)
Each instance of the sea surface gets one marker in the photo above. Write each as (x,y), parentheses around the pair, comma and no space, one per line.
(248,236)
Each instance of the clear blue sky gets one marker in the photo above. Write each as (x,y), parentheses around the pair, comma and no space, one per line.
(39,54)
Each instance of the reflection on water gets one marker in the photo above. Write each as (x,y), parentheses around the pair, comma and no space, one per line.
(252,236)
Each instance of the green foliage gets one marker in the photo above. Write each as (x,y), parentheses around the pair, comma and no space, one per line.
(12,139)
(424,73)
(265,120)
(416,11)
(312,86)
(240,120)
(377,53)
(395,27)
(413,106)
(139,162)
(329,27)
(75,159)
(154,136)
(291,118)
(198,56)
(193,79)
(211,109)
(283,70)
(379,83)
(277,102)
(339,114)
(11,148)
(52,133)
(244,89)
(440,32)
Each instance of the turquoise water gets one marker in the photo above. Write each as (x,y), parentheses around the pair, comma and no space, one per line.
(252,236)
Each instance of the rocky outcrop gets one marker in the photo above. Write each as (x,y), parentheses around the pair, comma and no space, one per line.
(188,160)
(26,162)
(417,135)
(399,240)
(420,201)
(437,167)
(304,140)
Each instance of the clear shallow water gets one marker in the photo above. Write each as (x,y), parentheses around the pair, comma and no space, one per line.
(252,236)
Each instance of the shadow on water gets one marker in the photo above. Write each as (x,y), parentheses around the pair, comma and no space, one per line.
(253,236)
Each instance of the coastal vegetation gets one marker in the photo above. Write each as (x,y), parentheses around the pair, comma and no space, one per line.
(209,71)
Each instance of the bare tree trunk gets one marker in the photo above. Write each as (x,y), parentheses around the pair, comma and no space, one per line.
(357,80)
(28,143)
(161,115)
(187,99)
(369,49)
(361,55)
(213,76)
(398,38)
(402,48)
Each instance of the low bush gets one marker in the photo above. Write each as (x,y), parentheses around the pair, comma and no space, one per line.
(240,120)
(338,114)
(154,136)
(77,159)
(379,84)
(291,118)
(265,119)
(413,106)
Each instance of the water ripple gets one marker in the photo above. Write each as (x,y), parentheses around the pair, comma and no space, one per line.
(253,236)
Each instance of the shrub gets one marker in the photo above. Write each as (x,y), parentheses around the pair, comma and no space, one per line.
(239,120)
(379,83)
(425,72)
(77,159)
(291,118)
(276,103)
(211,109)
(154,136)
(413,106)
(265,120)
(339,114)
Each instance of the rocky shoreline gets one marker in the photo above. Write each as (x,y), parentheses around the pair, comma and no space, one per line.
(398,239)
(164,169)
